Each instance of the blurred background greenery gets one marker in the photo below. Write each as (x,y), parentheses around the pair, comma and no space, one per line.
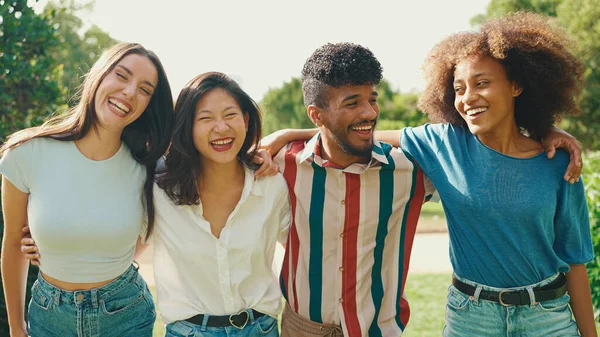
(43,57)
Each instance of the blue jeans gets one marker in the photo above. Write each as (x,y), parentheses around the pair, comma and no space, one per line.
(264,326)
(470,316)
(123,308)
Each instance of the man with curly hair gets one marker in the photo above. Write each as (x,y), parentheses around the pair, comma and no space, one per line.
(355,205)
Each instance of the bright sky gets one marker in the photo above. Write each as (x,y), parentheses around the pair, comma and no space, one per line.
(264,43)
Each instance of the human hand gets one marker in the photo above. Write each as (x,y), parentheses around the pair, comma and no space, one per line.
(557,138)
(29,248)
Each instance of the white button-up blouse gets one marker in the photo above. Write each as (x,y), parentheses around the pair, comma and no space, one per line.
(197,273)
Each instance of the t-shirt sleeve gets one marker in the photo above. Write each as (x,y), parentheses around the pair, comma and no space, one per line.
(573,243)
(16,165)
(423,143)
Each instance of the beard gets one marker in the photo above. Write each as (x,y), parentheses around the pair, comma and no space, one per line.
(341,138)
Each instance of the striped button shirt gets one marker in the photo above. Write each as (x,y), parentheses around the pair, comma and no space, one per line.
(351,235)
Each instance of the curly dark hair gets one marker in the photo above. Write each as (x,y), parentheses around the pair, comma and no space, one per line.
(178,178)
(536,53)
(336,65)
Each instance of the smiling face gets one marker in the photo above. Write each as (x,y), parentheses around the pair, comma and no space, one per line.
(349,121)
(125,92)
(219,127)
(484,96)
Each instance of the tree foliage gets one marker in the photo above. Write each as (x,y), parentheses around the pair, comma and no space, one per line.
(592,188)
(581,19)
(284,108)
(78,51)
(29,89)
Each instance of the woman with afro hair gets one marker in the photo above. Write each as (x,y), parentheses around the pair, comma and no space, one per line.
(519,233)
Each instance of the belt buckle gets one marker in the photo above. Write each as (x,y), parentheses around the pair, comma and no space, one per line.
(245,322)
(500,297)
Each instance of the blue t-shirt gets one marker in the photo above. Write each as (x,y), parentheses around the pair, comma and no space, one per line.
(512,221)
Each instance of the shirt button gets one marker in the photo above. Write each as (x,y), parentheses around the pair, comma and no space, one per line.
(341,300)
(341,268)
(342,235)
(343,202)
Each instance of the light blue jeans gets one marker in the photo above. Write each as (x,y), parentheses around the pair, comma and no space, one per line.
(264,326)
(470,316)
(123,308)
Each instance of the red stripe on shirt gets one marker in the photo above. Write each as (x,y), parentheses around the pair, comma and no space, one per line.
(293,246)
(411,227)
(350,254)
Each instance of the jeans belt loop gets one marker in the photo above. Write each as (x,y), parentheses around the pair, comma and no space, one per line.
(94,298)
(532,299)
(204,322)
(56,296)
(477,293)
(251,316)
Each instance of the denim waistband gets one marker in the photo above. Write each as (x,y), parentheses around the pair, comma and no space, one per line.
(91,296)
(485,287)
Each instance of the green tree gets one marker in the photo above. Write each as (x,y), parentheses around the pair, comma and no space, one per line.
(592,189)
(78,52)
(29,90)
(581,18)
(284,108)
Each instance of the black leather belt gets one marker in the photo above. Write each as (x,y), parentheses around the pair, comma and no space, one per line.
(238,320)
(550,291)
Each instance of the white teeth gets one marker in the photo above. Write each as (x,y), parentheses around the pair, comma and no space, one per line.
(475,111)
(222,142)
(363,128)
(119,105)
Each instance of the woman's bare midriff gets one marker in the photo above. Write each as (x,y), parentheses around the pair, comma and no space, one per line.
(74,286)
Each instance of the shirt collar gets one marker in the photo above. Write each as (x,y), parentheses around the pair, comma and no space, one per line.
(312,150)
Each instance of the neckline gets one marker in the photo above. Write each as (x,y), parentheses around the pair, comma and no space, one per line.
(115,155)
(505,155)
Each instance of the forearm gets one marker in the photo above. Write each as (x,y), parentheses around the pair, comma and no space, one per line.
(14,278)
(277,140)
(391,137)
(578,286)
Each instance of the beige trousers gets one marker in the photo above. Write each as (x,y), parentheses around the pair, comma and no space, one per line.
(295,325)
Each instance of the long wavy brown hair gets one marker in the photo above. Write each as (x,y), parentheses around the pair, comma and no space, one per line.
(182,164)
(147,137)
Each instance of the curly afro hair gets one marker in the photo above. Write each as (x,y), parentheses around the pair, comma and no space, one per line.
(336,65)
(536,54)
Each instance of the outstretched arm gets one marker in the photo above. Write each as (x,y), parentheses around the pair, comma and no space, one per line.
(391,137)
(277,140)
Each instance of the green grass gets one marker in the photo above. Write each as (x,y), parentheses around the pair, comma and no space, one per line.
(432,219)
(427,296)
